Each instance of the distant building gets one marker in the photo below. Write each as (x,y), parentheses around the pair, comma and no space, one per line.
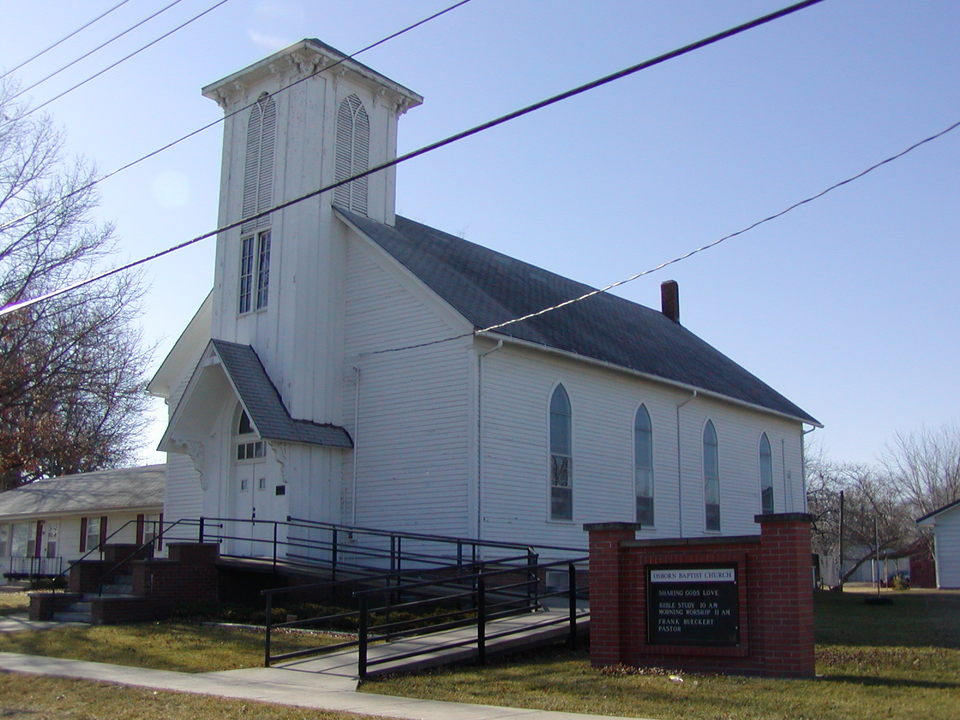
(47,524)
(946,543)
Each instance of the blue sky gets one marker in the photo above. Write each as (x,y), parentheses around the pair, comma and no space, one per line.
(847,306)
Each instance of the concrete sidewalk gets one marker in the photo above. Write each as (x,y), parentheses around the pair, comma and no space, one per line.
(283,686)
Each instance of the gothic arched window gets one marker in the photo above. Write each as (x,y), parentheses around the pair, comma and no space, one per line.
(711,477)
(561,456)
(766,475)
(352,154)
(643,465)
(255,238)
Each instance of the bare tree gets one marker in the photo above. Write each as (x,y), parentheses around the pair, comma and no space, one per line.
(71,369)
(926,467)
(876,518)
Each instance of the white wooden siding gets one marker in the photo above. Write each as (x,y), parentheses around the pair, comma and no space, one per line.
(517,383)
(182,496)
(947,544)
(414,435)
(68,531)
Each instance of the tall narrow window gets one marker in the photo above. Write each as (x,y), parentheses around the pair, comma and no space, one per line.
(561,447)
(352,154)
(257,197)
(255,271)
(263,269)
(246,273)
(711,477)
(766,475)
(258,163)
(643,466)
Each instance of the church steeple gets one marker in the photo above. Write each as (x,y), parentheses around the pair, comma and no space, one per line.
(297,121)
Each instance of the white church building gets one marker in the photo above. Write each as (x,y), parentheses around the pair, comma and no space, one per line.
(335,371)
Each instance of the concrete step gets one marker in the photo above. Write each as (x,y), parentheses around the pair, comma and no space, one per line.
(68,616)
(82,606)
(118,589)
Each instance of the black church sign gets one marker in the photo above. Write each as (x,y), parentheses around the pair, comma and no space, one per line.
(692,605)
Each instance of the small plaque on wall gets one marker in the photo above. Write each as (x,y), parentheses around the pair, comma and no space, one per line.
(693,605)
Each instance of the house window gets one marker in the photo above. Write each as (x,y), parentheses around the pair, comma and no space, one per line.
(255,271)
(352,154)
(561,479)
(711,477)
(257,197)
(643,466)
(766,475)
(4,541)
(19,540)
(92,532)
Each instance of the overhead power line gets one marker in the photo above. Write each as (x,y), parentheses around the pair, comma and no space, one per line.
(430,148)
(118,62)
(63,39)
(91,52)
(684,256)
(226,116)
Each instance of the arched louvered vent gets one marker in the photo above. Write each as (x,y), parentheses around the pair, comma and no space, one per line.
(258,167)
(352,154)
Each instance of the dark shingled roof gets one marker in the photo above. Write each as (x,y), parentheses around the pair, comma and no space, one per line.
(487,288)
(264,405)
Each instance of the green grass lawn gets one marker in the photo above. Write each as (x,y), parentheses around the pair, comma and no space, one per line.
(163,645)
(43,698)
(897,662)
(14,602)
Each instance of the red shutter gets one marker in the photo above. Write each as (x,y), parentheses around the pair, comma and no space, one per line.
(38,542)
(83,534)
(139,529)
(103,531)
(158,531)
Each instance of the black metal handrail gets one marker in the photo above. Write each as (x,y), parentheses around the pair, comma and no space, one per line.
(490,601)
(34,567)
(98,548)
(282,545)
(157,537)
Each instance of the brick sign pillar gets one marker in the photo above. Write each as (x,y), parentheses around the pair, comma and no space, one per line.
(786,618)
(605,592)
(712,604)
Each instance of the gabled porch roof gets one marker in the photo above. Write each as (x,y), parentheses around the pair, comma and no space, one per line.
(230,367)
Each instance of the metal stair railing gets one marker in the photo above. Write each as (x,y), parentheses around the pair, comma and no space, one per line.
(341,550)
(152,542)
(489,600)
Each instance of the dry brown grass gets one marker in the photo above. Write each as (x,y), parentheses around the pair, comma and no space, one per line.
(32,697)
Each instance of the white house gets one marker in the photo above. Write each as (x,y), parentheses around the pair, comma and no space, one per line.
(46,525)
(335,372)
(945,522)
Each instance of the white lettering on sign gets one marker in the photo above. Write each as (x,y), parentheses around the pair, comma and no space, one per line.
(693,575)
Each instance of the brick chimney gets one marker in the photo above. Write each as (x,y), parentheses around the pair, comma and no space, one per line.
(670,300)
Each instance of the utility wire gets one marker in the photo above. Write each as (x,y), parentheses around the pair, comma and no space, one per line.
(225,117)
(716,242)
(63,39)
(121,60)
(429,148)
(679,258)
(91,52)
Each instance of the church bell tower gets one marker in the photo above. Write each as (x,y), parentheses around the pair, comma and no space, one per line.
(296,121)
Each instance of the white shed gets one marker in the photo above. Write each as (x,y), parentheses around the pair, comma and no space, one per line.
(946,538)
